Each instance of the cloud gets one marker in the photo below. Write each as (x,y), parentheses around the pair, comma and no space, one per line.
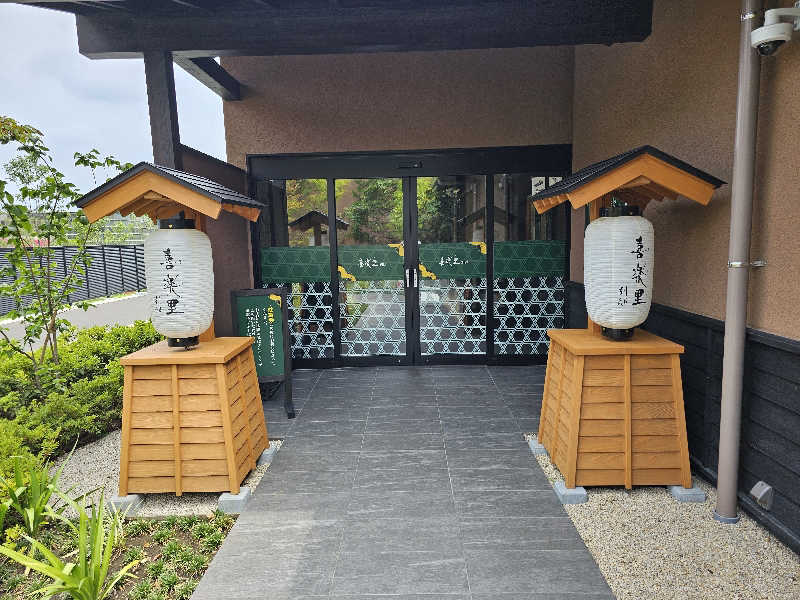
(80,103)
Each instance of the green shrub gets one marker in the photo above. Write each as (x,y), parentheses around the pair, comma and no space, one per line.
(82,398)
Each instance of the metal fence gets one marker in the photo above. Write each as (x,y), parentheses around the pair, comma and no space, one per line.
(112,269)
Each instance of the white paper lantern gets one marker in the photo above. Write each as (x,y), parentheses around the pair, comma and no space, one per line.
(618,271)
(180,282)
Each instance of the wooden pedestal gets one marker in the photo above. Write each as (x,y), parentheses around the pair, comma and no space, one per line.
(192,420)
(612,412)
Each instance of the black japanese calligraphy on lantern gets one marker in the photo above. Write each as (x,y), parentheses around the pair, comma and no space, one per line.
(639,272)
(170,284)
(639,249)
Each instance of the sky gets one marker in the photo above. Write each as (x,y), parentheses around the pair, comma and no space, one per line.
(80,104)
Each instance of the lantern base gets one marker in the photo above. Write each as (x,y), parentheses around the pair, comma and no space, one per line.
(187,342)
(618,335)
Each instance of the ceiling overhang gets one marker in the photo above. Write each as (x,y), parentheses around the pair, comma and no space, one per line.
(197,28)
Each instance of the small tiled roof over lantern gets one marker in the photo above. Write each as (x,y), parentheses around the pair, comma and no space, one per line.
(161,193)
(635,177)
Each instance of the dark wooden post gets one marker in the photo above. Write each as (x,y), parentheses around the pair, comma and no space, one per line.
(160,80)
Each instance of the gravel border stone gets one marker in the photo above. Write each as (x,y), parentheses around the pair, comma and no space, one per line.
(96,465)
(649,546)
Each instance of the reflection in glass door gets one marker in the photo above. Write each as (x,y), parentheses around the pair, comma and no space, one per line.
(299,259)
(372,304)
(451,225)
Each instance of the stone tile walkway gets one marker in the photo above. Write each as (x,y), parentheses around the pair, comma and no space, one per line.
(406,483)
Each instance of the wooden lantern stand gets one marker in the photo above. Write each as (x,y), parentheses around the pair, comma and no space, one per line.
(612,411)
(192,421)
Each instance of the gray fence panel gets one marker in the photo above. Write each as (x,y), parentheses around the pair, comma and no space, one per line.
(113,269)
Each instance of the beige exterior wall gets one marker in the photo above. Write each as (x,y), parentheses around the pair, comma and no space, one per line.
(677,91)
(400,101)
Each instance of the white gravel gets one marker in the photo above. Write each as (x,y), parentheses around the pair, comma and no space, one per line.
(648,545)
(96,465)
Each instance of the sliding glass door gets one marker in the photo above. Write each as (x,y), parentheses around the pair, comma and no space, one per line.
(424,268)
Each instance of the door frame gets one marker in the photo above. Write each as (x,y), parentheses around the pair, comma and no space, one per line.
(553,160)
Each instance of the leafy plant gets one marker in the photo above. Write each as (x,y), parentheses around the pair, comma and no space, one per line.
(38,219)
(29,495)
(88,577)
(185,590)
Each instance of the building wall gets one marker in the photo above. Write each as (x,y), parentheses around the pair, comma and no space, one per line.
(677,91)
(233,265)
(399,101)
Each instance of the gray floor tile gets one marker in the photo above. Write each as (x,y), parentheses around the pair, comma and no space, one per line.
(421,534)
(528,425)
(321,412)
(320,461)
(499,441)
(329,427)
(471,401)
(546,596)
(532,533)
(403,427)
(388,413)
(371,503)
(400,459)
(403,441)
(404,597)
(279,506)
(526,411)
(478,458)
(547,571)
(417,477)
(393,512)
(321,482)
(400,573)
(501,479)
(508,504)
(322,443)
(463,427)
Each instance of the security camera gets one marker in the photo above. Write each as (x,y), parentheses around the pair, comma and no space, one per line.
(776,30)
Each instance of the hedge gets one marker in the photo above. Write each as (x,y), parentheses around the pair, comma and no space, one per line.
(80,399)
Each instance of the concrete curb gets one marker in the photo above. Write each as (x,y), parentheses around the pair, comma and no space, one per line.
(267,455)
(234,503)
(692,494)
(536,447)
(127,506)
(567,495)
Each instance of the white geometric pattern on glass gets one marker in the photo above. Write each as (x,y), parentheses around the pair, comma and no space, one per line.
(452,316)
(525,309)
(310,318)
(180,269)
(373,317)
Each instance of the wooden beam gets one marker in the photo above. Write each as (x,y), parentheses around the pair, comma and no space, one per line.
(160,80)
(250,213)
(304,30)
(132,189)
(677,180)
(641,180)
(208,72)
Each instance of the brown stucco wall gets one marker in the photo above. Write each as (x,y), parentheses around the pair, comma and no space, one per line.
(233,265)
(399,101)
(677,91)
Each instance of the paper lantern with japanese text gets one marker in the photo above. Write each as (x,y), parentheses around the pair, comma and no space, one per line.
(618,273)
(180,281)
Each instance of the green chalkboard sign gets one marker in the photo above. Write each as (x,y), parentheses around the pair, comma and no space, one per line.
(262,314)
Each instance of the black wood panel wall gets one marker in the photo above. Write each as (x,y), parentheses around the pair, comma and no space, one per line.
(770,443)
